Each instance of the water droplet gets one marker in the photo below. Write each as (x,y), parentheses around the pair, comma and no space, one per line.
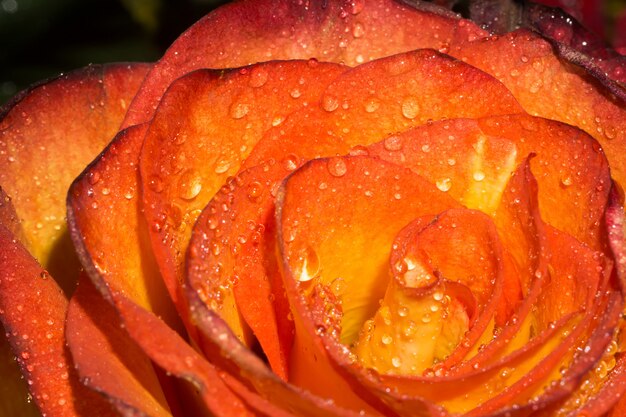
(310,265)
(386,339)
(277,120)
(438,296)
(393,143)
(410,108)
(155,183)
(189,185)
(93,178)
(291,161)
(330,103)
(478,176)
(106,191)
(444,184)
(372,105)
(255,190)
(222,166)
(358,30)
(337,167)
(295,93)
(258,77)
(239,110)
(566,181)
(396,362)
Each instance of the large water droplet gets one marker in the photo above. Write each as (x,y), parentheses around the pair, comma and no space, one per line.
(239,110)
(189,185)
(258,77)
(444,184)
(330,103)
(393,143)
(309,265)
(410,108)
(337,167)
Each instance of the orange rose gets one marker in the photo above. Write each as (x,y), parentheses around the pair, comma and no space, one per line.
(375,209)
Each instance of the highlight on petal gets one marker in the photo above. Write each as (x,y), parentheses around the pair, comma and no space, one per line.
(32,311)
(47,136)
(340,31)
(106,359)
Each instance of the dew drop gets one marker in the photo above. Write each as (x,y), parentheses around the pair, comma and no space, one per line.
(478,176)
(396,362)
(372,105)
(444,184)
(290,163)
(189,185)
(386,339)
(255,190)
(258,77)
(337,167)
(222,167)
(566,181)
(155,183)
(239,110)
(392,143)
(330,103)
(358,30)
(295,93)
(310,265)
(410,108)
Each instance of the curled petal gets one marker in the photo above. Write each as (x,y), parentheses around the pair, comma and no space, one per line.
(33,308)
(47,136)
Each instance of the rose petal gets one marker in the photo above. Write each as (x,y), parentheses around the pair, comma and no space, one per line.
(33,310)
(119,257)
(106,359)
(377,99)
(331,31)
(547,87)
(47,136)
(473,159)
(226,114)
(336,243)
(249,275)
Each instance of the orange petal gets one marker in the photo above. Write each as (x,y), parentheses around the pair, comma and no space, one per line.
(336,242)
(472,160)
(106,359)
(33,308)
(107,192)
(47,136)
(247,285)
(246,32)
(374,100)
(185,160)
(252,371)
(547,86)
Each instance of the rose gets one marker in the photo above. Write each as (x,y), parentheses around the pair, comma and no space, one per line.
(494,224)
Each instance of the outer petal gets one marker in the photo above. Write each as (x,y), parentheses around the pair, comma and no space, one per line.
(120,257)
(548,87)
(32,308)
(47,136)
(343,31)
(107,360)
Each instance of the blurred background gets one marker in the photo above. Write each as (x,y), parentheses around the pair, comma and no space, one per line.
(43,38)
